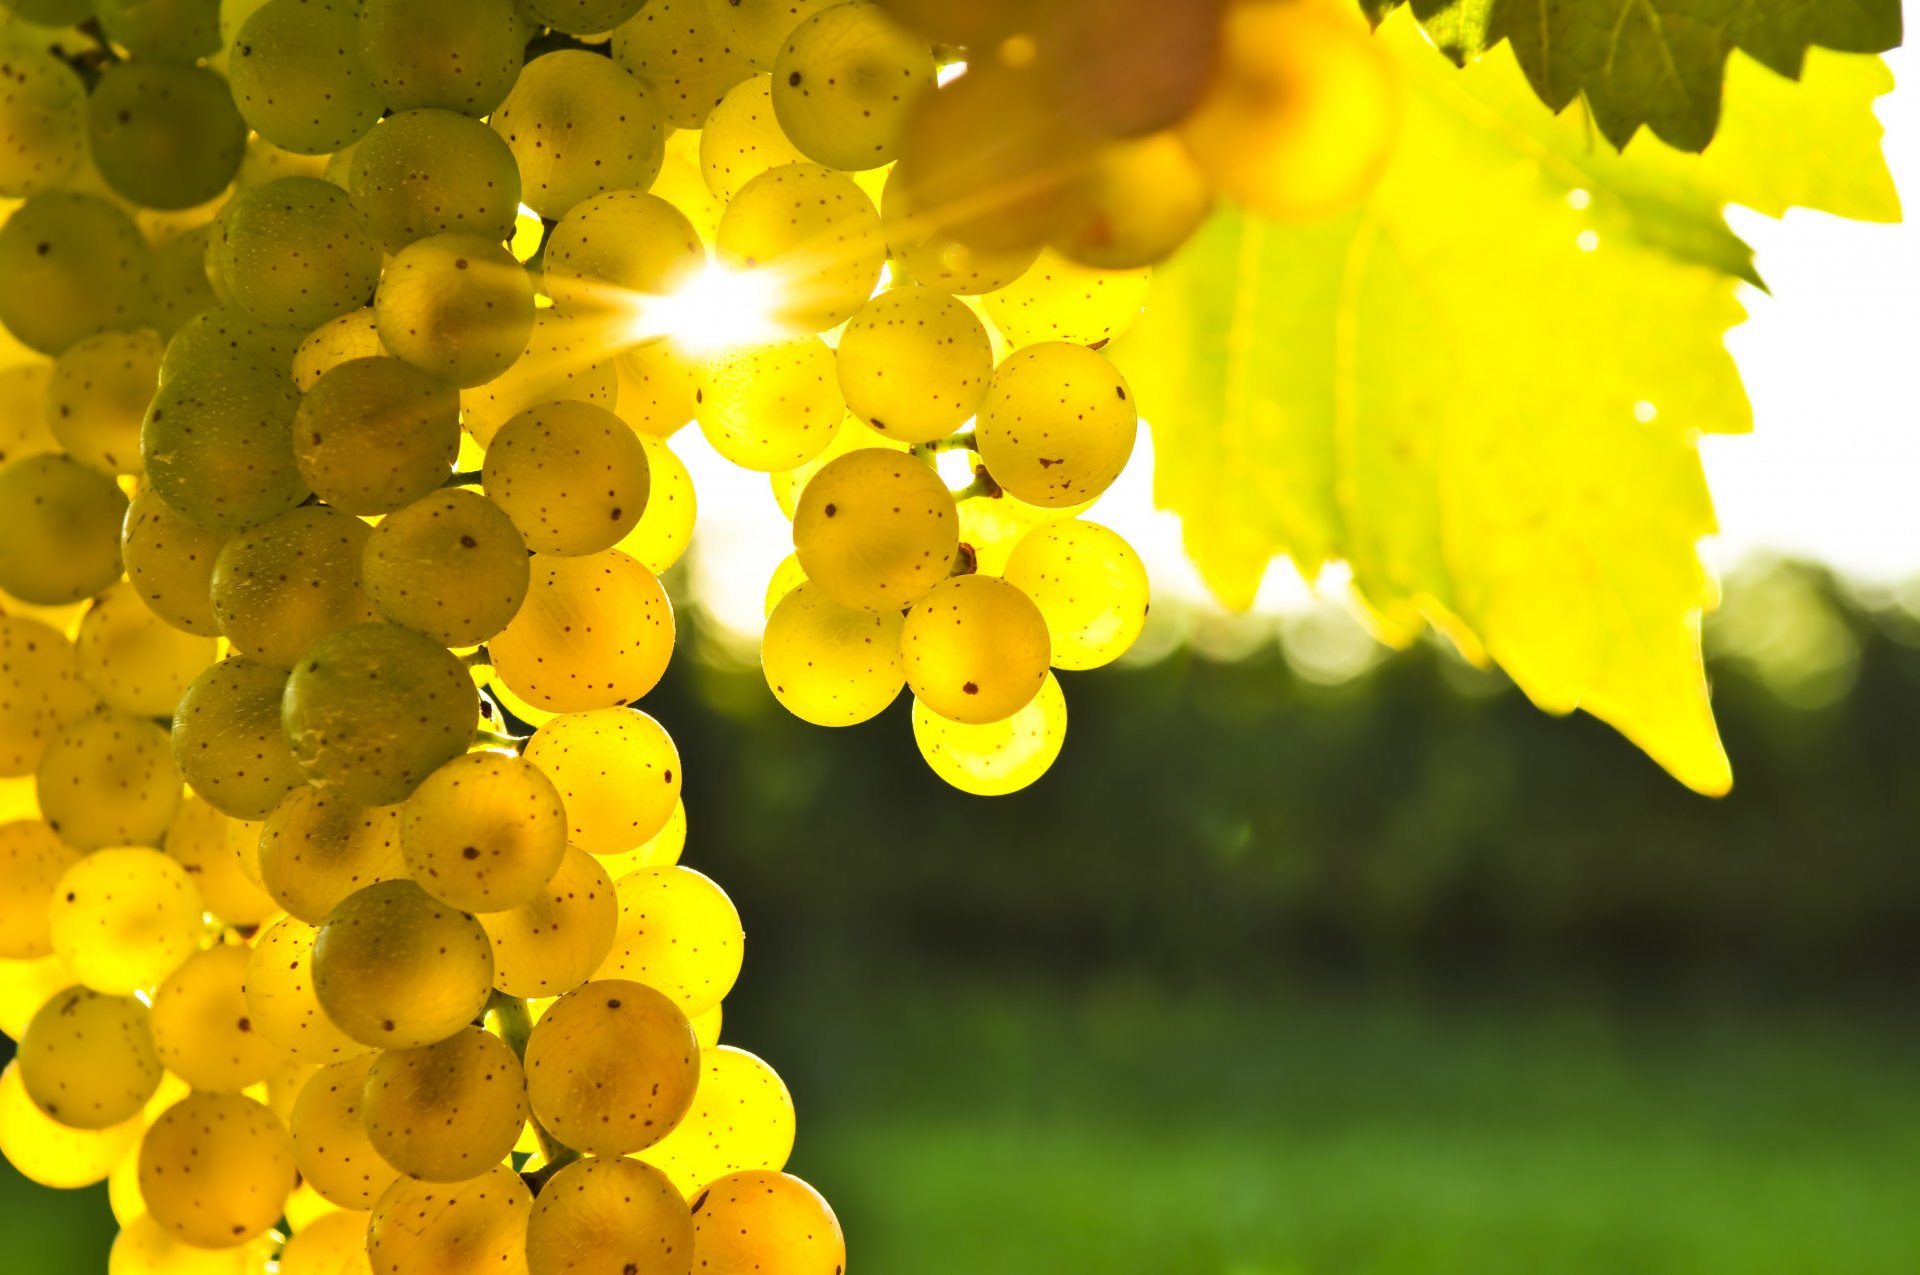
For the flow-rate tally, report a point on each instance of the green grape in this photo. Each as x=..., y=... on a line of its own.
x=432, y=172
x=24, y=430
x=32, y=861
x=169, y=563
x=611, y=1067
x=98, y=395
x=203, y=841
x=446, y=1112
x=375, y=434
x=610, y=251
x=756, y=29
x=450, y=565
x=610, y=1214
x=282, y=586
x=742, y=1118
x=427, y=1228
x=330, y=1142
x=679, y=57
x=742, y=139
x=396, y=968
x=164, y=135
x=332, y=1244
x=594, y=632
x=227, y=333
x=876, y=529
x=63, y=529
x=828, y=664
x=658, y=381
x=281, y=1000
x=854, y=435
x=770, y=407
x=665, y=528
x=679, y=934
x=458, y=306
x=1137, y=202
x=581, y=17
x=844, y=83
x=786, y=577
x=51, y=13
x=109, y=779
x=817, y=236
x=914, y=364
x=132, y=659
x=1059, y=300
x=1089, y=585
x=317, y=849
x=298, y=77
x=144, y=1247
x=762, y=1221
x=1000, y=757
x=227, y=740
x=50, y=1153
x=456, y=55
x=579, y=125
x=218, y=444
x=485, y=832
x=202, y=1030
x=342, y=339
x=43, y=122
x=297, y=252
x=174, y=30
x=975, y=649
x=1058, y=424
x=565, y=358
x=552, y=943
x=571, y=476
x=216, y=1169
x=122, y=919
x=88, y=1060
x=181, y=288
x=616, y=770
x=41, y=691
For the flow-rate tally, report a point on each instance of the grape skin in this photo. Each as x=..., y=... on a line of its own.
x=216, y=1169
x=610, y=1213
x=448, y=1111
x=611, y=1067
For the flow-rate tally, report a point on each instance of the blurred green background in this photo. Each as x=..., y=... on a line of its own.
x=1303, y=962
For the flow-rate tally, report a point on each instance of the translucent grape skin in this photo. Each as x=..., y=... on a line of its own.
x=665, y=529
x=375, y=434
x=169, y=563
x=456, y=55
x=427, y=1228
x=202, y=1029
x=485, y=832
x=87, y=1059
x=123, y=918
x=41, y=687
x=450, y=565
x=614, y=248
x=680, y=58
x=914, y=364
x=168, y=30
x=679, y=933
x=1090, y=586
x=218, y=444
x=771, y=406
x=581, y=17
x=330, y=1140
x=457, y=306
x=1000, y=757
x=32, y=861
x=742, y=139
x=844, y=82
x=317, y=849
x=828, y=664
x=1058, y=424
x=1061, y=300
x=617, y=771
x=164, y=135
x=876, y=529
x=566, y=358
x=756, y=29
x=75, y=265
x=46, y=1151
x=297, y=252
x=132, y=659
x=98, y=394
x=63, y=529
x=816, y=235
x=299, y=79
x=448, y=1111
x=280, y=587
x=595, y=632
x=210, y=846
x=579, y=125
x=227, y=740
x=976, y=649
x=742, y=1118
x=611, y=1067
x=552, y=943
x=761, y=1220
x=216, y=1169
x=332, y=1244
x=427, y=172
x=281, y=1000
x=109, y=779
x=571, y=475
x=396, y=968
x=610, y=1213
x=42, y=123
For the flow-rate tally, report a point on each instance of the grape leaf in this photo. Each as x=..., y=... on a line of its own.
x=1482, y=390
x=1656, y=63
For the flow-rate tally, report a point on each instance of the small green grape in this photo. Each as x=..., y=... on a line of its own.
x=876, y=529
x=202, y=1029
x=163, y=134
x=815, y=233
x=297, y=252
x=680, y=58
x=123, y=918
x=431, y=1228
x=1058, y=424
x=298, y=76
x=828, y=664
x=579, y=125
x=282, y=586
x=571, y=475
x=566, y=358
x=317, y=849
x=396, y=968
x=132, y=659
x=456, y=55
x=169, y=563
x=594, y=632
x=975, y=649
x=552, y=943
x=172, y=30
x=109, y=779
x=761, y=1220
x=770, y=407
x=449, y=565
x=615, y=248
x=74, y=265
x=431, y=172
x=226, y=333
x=610, y=1213
x=679, y=933
x=446, y=1112
x=218, y=444
x=756, y=29
x=281, y=1001
x=227, y=740
x=844, y=82
x=914, y=364
x=1061, y=300
x=742, y=138
x=742, y=1118
x=485, y=832
x=616, y=770
x=32, y=861
x=996, y=758
x=98, y=395
x=375, y=434
x=63, y=524
x=341, y=339
x=216, y=1169
x=43, y=122
x=330, y=1142
x=41, y=686
x=1089, y=585
x=458, y=306
x=611, y=1067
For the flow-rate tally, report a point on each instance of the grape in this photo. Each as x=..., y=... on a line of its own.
x=999, y=757
x=43, y=121
x=50, y=1153
x=854, y=435
x=225, y=333
x=785, y=579
x=122, y=919
x=40, y=691
x=844, y=82
x=571, y=476
x=611, y=1067
x=682, y=183
x=610, y=1214
x=202, y=1029
x=1137, y=202
x=430, y=172
x=282, y=586
x=317, y=849
x=770, y=407
x=929, y=253
x=706, y=1028
x=578, y=125
x=828, y=664
x=281, y=999
x=1058, y=300
x=298, y=77
x=88, y=1060
x=169, y=564
x=816, y=234
x=175, y=30
x=485, y=832
x=742, y=139
x=330, y=1141
x=742, y=1118
x=342, y=339
x=32, y=861
x=665, y=528
x=218, y=444
x=23, y=430
x=332, y=1244
x=755, y=29
x=680, y=59
x=975, y=649
x=297, y=252
x=425, y=1228
x=109, y=779
x=227, y=740
x=914, y=364
x=762, y=1221
x=457, y=55
x=181, y=288
x=395, y=967
x=564, y=359
x=164, y=135
x=594, y=632
x=1058, y=424
x=372, y=710
x=616, y=770
x=216, y=1169
x=679, y=934
x=448, y=1111
x=63, y=529
x=132, y=659
x=581, y=17
x=98, y=394
x=458, y=306
x=615, y=248
x=1125, y=68
x=144, y=1247
x=51, y=13
x=375, y=434
x=876, y=530
x=450, y=565
x=203, y=841
x=658, y=381
x=552, y=943
x=27, y=985
x=1089, y=585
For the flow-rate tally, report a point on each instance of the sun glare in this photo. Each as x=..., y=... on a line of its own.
x=718, y=308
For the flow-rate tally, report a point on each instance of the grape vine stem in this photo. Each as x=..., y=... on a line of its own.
x=516, y=1025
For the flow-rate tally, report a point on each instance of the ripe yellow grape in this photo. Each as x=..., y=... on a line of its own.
x=1061, y=300
x=578, y=125
x=132, y=659
x=296, y=252
x=317, y=848
x=25, y=986
x=552, y=943
x=679, y=933
x=815, y=234
x=430, y=172
x=595, y=632
x=88, y=1060
x=683, y=184
x=282, y=1087
x=53, y=1154
x=332, y=1244
x=396, y=968
x=162, y=134
x=74, y=265
x=485, y=832
x=216, y=1169
x=331, y=1145
x=657, y=383
x=448, y=1111
x=617, y=771
x=41, y=691
x=571, y=475
x=759, y=1220
x=615, y=248
x=342, y=339
x=123, y=918
x=43, y=120
x=281, y=999
x=1136, y=203
x=144, y=1247
x=23, y=420
x=109, y=779
x=567, y=357
x=756, y=29
x=613, y=1214
x=203, y=841
x=1089, y=585
x=828, y=664
x=1058, y=424
x=852, y=436
x=63, y=529
x=742, y=1118
x=98, y=394
x=458, y=55
x=226, y=332
x=298, y=77
x=998, y=757
x=202, y=1028
x=611, y=1067
x=455, y=305
x=975, y=649
x=218, y=443
x=227, y=739
x=680, y=58
x=662, y=849
x=876, y=529
x=450, y=565
x=375, y=434
x=665, y=528
x=914, y=364
x=844, y=82
x=706, y=1028
x=742, y=138
x=770, y=407
x=32, y=861
x=169, y=562
x=428, y=1228
x=784, y=579
x=282, y=586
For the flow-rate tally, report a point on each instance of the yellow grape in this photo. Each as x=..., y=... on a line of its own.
x=317, y=848
x=565, y=358
x=914, y=364
x=1137, y=202
x=756, y=29
x=844, y=82
x=98, y=394
x=280, y=587
x=216, y=1169
x=23, y=418
x=281, y=999
x=299, y=79
x=450, y=565
x=169, y=562
x=132, y=659
x=427, y=1228
x=784, y=579
x=227, y=738
x=43, y=119
x=852, y=436
x=665, y=528
x=282, y=1086
x=612, y=249
x=682, y=183
x=122, y=919
x=610, y=1213
x=332, y=1244
x=552, y=943
x=32, y=861
x=41, y=691
x=297, y=252
x=616, y=770
x=763, y=1221
x=999, y=757
x=63, y=529
x=25, y=986
x=218, y=442
x=202, y=1028
x=343, y=339
x=579, y=125
x=431, y=172
x=975, y=649
x=1089, y=585
x=660, y=850
x=679, y=933
x=448, y=1111
x=374, y=434
x=742, y=139
x=485, y=832
x=571, y=475
x=50, y=1153
x=109, y=779
x=876, y=529
x=163, y=135
x=396, y=968
x=458, y=306
x=1058, y=424
x=1061, y=300
x=331, y=1145
x=206, y=844
x=680, y=58
x=458, y=55
x=144, y=1247
x=88, y=1060
x=594, y=632
x=815, y=234
x=611, y=1067
x=658, y=381
x=75, y=264
x=770, y=407
x=828, y=664
x=742, y=1118
x=706, y=1028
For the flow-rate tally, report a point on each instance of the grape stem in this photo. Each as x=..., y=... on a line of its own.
x=965, y=440
x=982, y=485
x=516, y=1025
